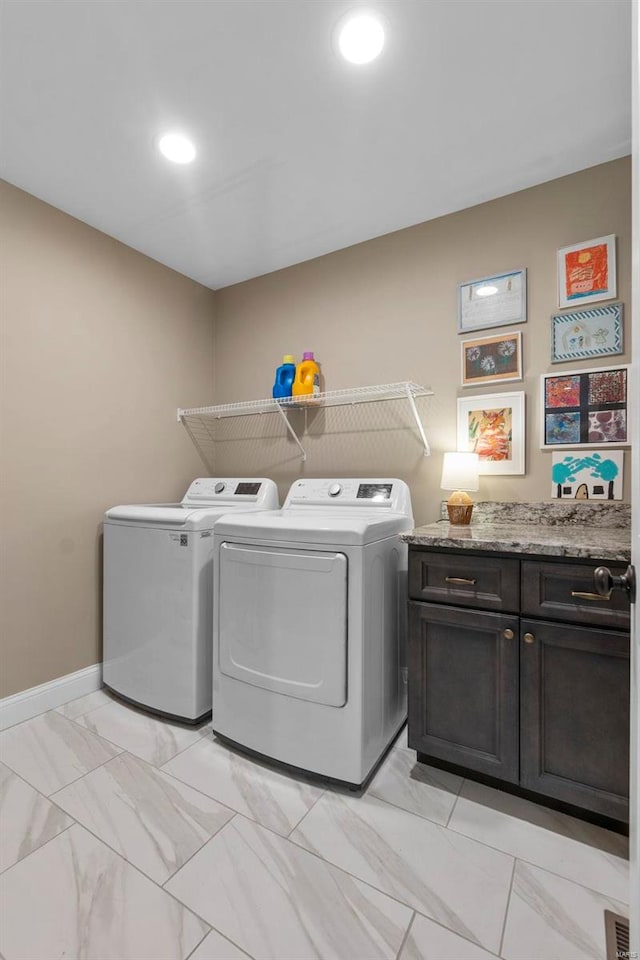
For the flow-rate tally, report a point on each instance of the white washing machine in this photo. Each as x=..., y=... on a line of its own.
x=309, y=626
x=157, y=594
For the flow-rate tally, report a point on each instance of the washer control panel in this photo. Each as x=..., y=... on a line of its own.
x=390, y=494
x=211, y=490
x=374, y=491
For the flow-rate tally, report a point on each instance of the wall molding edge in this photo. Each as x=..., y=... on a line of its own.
x=29, y=703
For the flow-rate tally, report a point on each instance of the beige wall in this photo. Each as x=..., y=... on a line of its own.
x=99, y=346
x=385, y=311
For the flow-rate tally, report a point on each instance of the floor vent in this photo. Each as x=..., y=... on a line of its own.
x=617, y=936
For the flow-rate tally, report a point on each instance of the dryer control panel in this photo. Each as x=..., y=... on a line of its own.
x=385, y=494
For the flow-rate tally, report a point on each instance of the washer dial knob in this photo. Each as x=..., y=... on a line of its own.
x=219, y=487
x=334, y=489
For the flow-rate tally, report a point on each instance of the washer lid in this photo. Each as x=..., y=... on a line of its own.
x=206, y=499
x=325, y=527
x=169, y=515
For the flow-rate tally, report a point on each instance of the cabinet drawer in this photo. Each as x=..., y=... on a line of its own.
x=482, y=582
x=548, y=588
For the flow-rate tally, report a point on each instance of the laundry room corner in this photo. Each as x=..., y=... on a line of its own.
x=100, y=344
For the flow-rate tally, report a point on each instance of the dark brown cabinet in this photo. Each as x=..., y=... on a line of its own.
x=463, y=687
x=574, y=704
x=507, y=680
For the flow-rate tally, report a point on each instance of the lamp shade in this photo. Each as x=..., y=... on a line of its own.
x=460, y=471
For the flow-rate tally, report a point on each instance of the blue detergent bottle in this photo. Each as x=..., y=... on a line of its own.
x=285, y=374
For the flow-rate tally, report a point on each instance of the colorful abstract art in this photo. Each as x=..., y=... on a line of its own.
x=585, y=408
x=562, y=392
x=563, y=428
x=607, y=426
x=596, y=475
x=608, y=387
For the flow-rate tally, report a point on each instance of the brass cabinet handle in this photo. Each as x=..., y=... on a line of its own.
x=529, y=638
x=508, y=634
x=589, y=596
x=459, y=580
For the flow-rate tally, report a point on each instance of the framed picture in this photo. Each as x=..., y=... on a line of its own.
x=594, y=475
x=492, y=425
x=491, y=359
x=492, y=301
x=585, y=408
x=597, y=332
x=587, y=272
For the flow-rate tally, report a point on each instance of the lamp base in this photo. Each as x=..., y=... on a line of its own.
x=460, y=508
x=459, y=513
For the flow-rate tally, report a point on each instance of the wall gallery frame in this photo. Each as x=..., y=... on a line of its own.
x=587, y=272
x=597, y=332
x=594, y=475
x=495, y=359
x=492, y=425
x=585, y=408
x=494, y=301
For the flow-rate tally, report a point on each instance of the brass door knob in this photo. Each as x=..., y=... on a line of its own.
x=529, y=638
x=508, y=634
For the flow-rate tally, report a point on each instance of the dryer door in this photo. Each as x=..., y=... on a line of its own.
x=282, y=620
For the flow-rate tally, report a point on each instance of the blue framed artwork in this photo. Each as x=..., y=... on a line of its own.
x=584, y=334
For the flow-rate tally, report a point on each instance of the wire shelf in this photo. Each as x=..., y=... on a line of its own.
x=405, y=390
x=331, y=398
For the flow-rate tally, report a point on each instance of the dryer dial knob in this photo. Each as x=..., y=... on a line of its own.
x=334, y=489
x=219, y=487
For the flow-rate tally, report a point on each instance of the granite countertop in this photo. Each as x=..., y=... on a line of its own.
x=590, y=531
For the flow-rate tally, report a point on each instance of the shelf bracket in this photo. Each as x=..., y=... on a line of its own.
x=416, y=417
x=292, y=432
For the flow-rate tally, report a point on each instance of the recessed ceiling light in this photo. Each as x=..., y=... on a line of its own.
x=360, y=38
x=177, y=148
x=487, y=291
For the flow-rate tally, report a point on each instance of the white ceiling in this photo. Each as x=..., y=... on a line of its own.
x=300, y=153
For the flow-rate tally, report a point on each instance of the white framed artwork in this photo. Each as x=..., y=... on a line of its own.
x=492, y=425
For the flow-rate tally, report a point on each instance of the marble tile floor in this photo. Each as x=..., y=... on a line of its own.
x=125, y=837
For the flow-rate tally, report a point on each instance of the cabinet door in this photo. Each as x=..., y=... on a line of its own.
x=575, y=715
x=463, y=687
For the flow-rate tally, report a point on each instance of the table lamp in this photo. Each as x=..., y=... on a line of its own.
x=460, y=473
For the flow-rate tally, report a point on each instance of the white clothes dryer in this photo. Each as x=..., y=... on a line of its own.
x=309, y=626
x=158, y=561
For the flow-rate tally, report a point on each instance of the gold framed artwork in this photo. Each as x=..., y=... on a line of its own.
x=495, y=359
x=492, y=425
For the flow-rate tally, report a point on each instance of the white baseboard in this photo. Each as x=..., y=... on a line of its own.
x=29, y=703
